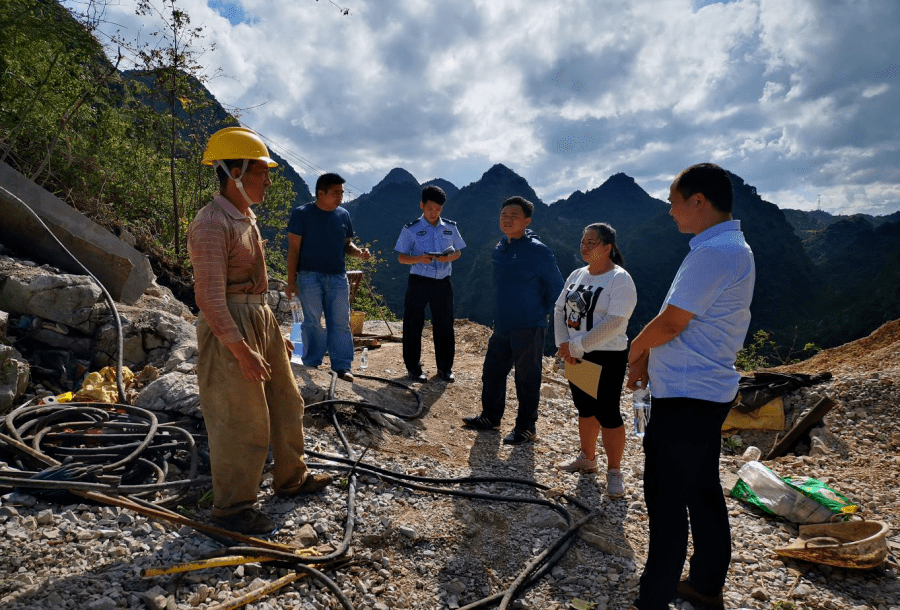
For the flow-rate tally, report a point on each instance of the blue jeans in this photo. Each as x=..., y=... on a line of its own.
x=328, y=294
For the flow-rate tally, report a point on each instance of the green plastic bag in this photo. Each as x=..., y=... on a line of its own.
x=809, y=487
x=821, y=493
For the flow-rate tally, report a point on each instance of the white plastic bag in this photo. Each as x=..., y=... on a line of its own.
x=780, y=498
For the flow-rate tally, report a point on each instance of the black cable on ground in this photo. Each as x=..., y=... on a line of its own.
x=528, y=576
x=146, y=454
x=441, y=480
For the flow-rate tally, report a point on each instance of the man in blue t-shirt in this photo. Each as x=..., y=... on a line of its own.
x=319, y=236
x=687, y=353
x=429, y=244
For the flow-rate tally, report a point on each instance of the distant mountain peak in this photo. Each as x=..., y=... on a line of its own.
x=500, y=174
x=398, y=175
x=621, y=177
x=499, y=171
x=449, y=188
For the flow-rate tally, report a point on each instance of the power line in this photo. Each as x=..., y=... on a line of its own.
x=305, y=163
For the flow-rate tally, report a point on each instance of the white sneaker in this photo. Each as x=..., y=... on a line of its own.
x=579, y=463
x=615, y=483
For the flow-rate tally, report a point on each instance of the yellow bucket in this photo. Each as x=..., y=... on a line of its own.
x=356, y=322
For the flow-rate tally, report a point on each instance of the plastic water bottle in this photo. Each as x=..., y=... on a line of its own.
x=641, y=399
x=364, y=359
x=296, y=331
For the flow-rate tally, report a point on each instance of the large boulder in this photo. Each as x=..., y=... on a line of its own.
x=149, y=337
x=67, y=299
x=123, y=271
x=174, y=392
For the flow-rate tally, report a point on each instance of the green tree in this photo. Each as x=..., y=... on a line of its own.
x=763, y=351
x=172, y=73
x=368, y=299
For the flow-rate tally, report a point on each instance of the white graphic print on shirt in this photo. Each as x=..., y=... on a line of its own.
x=580, y=303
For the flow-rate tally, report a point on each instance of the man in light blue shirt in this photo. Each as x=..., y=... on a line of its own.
x=430, y=244
x=687, y=353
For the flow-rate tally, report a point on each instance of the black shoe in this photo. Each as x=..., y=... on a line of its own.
x=345, y=375
x=417, y=377
x=517, y=437
x=249, y=522
x=688, y=593
x=447, y=376
x=480, y=422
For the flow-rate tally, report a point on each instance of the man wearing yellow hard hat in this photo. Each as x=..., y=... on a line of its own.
x=248, y=394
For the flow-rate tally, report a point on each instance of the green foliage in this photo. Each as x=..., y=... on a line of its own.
x=367, y=299
x=169, y=67
x=123, y=148
x=763, y=351
x=752, y=356
x=272, y=217
x=206, y=499
x=733, y=443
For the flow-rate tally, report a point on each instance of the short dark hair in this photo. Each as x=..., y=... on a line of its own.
x=527, y=206
x=711, y=181
x=326, y=181
x=434, y=193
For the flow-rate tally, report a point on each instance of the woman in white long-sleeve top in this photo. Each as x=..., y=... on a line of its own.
x=590, y=319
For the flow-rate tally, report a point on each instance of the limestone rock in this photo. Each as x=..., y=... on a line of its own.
x=173, y=392
x=68, y=299
x=14, y=375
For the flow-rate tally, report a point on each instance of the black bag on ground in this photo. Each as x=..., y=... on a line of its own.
x=760, y=388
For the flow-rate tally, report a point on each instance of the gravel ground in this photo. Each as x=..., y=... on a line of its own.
x=416, y=549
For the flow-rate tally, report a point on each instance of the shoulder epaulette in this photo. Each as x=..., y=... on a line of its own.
x=409, y=224
x=448, y=221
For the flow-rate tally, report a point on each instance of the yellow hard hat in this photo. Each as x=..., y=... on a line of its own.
x=236, y=143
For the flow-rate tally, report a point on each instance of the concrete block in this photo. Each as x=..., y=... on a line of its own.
x=123, y=271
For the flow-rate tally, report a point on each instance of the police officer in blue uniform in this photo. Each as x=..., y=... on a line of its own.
x=430, y=244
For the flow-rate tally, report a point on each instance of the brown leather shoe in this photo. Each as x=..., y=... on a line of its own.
x=311, y=484
x=688, y=593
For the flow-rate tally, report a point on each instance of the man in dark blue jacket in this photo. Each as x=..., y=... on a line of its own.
x=527, y=282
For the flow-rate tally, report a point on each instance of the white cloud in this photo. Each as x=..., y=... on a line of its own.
x=796, y=97
x=876, y=90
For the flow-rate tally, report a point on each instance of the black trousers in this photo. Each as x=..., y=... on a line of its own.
x=681, y=477
x=438, y=294
x=523, y=348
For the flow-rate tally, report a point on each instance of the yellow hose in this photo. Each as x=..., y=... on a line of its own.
x=256, y=594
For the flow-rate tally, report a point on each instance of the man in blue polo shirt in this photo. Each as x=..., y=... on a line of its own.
x=430, y=244
x=319, y=236
x=688, y=353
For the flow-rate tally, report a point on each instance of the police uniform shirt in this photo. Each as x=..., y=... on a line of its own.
x=420, y=237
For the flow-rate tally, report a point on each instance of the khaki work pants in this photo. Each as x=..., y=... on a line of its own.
x=244, y=418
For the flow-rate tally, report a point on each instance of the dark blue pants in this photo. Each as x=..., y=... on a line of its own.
x=523, y=349
x=438, y=294
x=681, y=477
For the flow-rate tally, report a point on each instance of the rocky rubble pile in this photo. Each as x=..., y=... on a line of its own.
x=418, y=550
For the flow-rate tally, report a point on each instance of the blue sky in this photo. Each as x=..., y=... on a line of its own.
x=798, y=97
